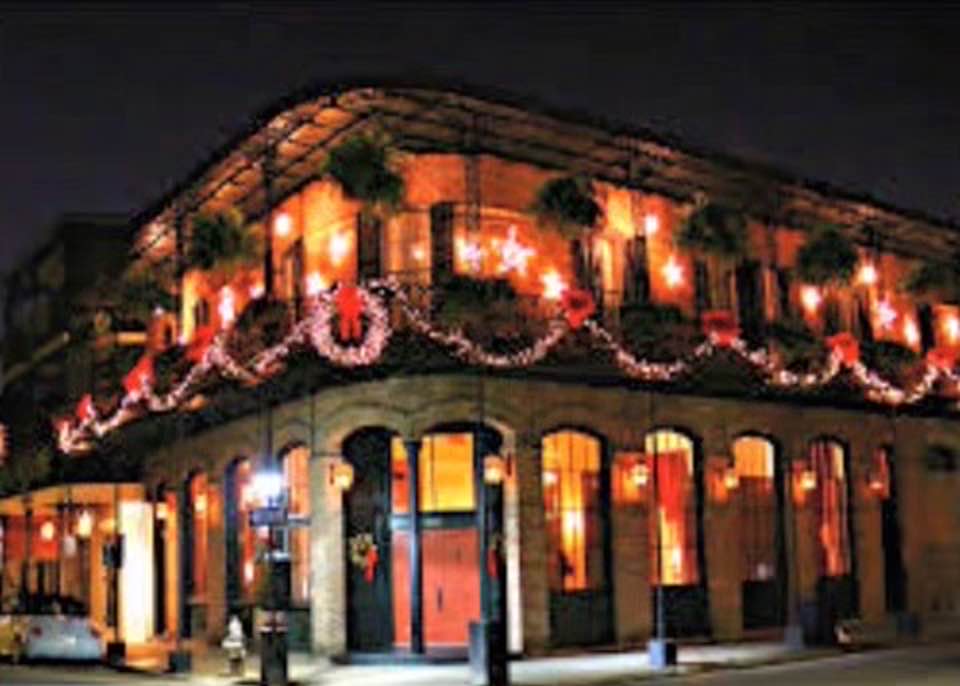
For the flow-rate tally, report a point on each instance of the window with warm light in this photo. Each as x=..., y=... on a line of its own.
x=831, y=508
x=573, y=511
x=753, y=458
x=199, y=512
x=674, y=528
x=446, y=474
x=296, y=474
x=246, y=536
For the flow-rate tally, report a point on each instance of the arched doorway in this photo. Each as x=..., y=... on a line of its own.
x=576, y=501
x=240, y=542
x=760, y=522
x=388, y=598
x=676, y=533
x=837, y=595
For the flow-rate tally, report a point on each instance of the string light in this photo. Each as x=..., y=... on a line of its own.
x=338, y=247
x=867, y=275
x=226, y=308
x=810, y=298
x=651, y=224
x=673, y=273
x=282, y=225
x=553, y=285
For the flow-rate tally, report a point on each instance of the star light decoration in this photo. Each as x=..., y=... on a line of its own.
x=514, y=256
x=77, y=434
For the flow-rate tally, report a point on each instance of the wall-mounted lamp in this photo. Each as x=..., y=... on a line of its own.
x=731, y=479
x=494, y=470
x=808, y=480
x=85, y=524
x=47, y=531
x=639, y=474
x=341, y=475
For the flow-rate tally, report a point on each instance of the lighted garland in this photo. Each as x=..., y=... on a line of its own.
x=316, y=329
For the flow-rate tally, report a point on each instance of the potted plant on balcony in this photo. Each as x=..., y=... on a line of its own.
x=658, y=332
x=361, y=165
x=568, y=206
x=221, y=243
x=718, y=235
x=488, y=311
x=828, y=259
x=937, y=279
x=143, y=294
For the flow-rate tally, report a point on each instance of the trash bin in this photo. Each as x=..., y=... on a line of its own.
x=488, y=654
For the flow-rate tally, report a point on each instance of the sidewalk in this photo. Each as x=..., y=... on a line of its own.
x=210, y=667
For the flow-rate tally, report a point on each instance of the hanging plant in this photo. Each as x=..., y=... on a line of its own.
x=713, y=230
x=798, y=348
x=891, y=360
x=567, y=204
x=486, y=310
x=141, y=295
x=936, y=278
x=361, y=165
x=828, y=259
x=221, y=242
x=659, y=332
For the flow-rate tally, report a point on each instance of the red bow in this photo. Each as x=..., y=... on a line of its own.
x=370, y=566
x=349, y=307
x=140, y=378
x=720, y=326
x=85, y=411
x=578, y=306
x=846, y=347
x=943, y=358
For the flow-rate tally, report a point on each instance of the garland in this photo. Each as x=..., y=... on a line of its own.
x=364, y=333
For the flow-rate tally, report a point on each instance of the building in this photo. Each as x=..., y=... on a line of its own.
x=677, y=409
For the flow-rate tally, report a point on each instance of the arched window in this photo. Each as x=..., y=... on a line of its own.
x=831, y=508
x=199, y=502
x=674, y=548
x=243, y=496
x=571, y=495
x=753, y=458
x=296, y=474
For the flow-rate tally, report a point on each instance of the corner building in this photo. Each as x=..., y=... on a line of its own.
x=753, y=503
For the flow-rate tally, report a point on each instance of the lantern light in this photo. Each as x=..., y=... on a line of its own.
x=282, y=224
x=867, y=275
x=639, y=475
x=731, y=479
x=673, y=273
x=810, y=298
x=162, y=512
x=494, y=470
x=808, y=480
x=651, y=224
x=341, y=475
x=339, y=246
x=951, y=326
x=47, y=531
x=553, y=285
x=911, y=333
x=85, y=524
x=418, y=253
x=268, y=486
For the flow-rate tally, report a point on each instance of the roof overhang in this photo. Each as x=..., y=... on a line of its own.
x=80, y=495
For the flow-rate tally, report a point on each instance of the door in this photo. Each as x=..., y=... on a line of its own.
x=451, y=586
x=894, y=572
x=367, y=517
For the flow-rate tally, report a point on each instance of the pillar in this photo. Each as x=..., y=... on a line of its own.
x=631, y=570
x=216, y=562
x=868, y=537
x=534, y=582
x=722, y=546
x=416, y=554
x=328, y=611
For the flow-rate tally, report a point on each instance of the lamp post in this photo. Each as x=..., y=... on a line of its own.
x=661, y=652
x=269, y=486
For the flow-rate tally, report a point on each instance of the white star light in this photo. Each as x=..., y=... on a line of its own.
x=471, y=254
x=886, y=315
x=553, y=285
x=514, y=255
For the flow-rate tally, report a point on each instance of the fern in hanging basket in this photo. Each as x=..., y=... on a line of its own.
x=361, y=166
x=487, y=311
x=567, y=204
x=141, y=294
x=714, y=230
x=222, y=243
x=936, y=278
x=659, y=332
x=828, y=259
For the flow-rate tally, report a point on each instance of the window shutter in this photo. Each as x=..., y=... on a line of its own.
x=369, y=230
x=441, y=242
x=701, y=280
x=636, y=286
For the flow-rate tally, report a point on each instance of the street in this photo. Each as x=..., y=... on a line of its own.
x=929, y=665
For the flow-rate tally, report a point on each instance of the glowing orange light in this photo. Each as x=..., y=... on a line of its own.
x=282, y=224
x=226, y=308
x=162, y=511
x=48, y=531
x=910, y=332
x=471, y=254
x=494, y=470
x=810, y=298
x=256, y=291
x=315, y=283
x=640, y=475
x=886, y=315
x=867, y=275
x=341, y=475
x=418, y=253
x=200, y=504
x=553, y=285
x=808, y=480
x=550, y=478
x=338, y=247
x=248, y=572
x=951, y=326
x=513, y=254
x=673, y=273
x=731, y=480
x=651, y=224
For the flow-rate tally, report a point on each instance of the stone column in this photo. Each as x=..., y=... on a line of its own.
x=534, y=583
x=631, y=569
x=722, y=546
x=868, y=537
x=216, y=562
x=328, y=609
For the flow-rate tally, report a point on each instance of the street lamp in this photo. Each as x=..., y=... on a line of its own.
x=269, y=487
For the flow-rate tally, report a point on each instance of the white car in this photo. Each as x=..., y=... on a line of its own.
x=58, y=629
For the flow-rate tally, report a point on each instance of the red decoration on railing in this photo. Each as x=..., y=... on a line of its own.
x=720, y=326
x=349, y=306
x=85, y=411
x=578, y=306
x=370, y=564
x=942, y=358
x=139, y=379
x=846, y=348
x=202, y=338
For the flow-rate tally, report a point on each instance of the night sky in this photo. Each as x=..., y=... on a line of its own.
x=103, y=110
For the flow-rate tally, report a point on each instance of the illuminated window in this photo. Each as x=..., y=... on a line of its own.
x=199, y=505
x=446, y=474
x=400, y=477
x=831, y=508
x=754, y=462
x=571, y=496
x=674, y=527
x=296, y=476
x=246, y=536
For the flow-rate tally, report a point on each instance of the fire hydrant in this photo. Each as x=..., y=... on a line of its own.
x=234, y=644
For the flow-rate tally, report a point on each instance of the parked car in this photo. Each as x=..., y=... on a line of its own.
x=49, y=628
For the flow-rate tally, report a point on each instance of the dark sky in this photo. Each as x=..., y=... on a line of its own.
x=103, y=109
